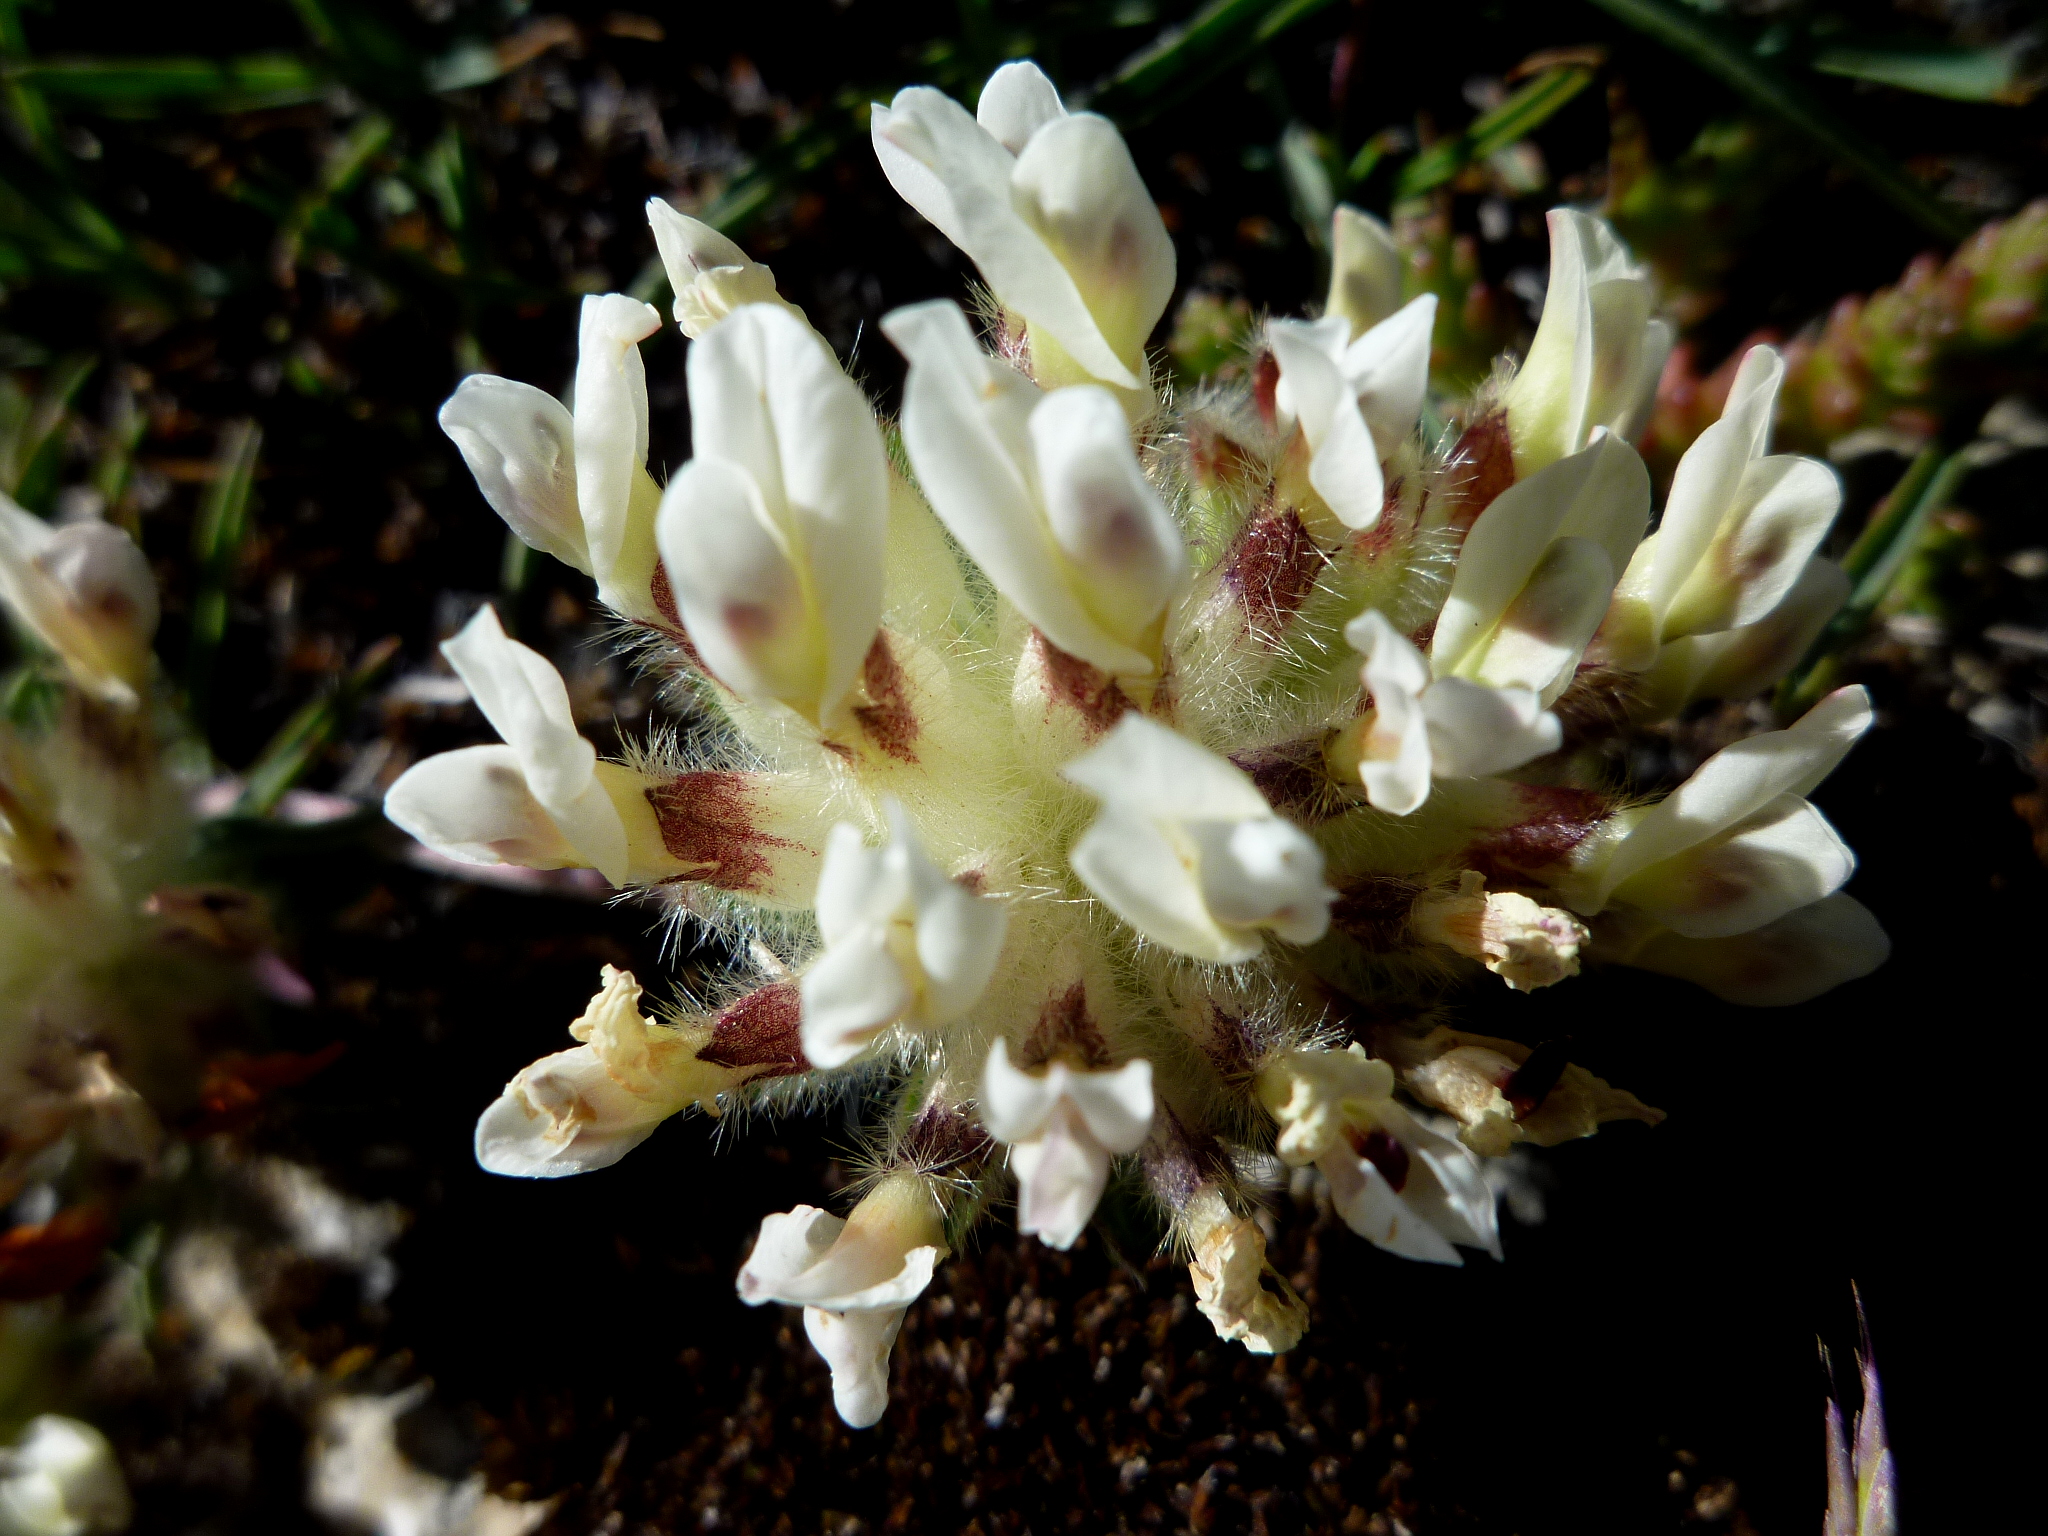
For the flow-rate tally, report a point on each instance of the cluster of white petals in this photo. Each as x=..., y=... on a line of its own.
x=1139, y=825
x=59, y=1478
x=1063, y=1127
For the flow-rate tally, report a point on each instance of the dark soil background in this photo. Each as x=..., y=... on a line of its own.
x=1650, y=1344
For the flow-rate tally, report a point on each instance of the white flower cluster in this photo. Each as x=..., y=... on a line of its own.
x=1028, y=765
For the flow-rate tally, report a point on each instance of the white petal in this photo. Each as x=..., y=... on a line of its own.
x=1152, y=768
x=738, y=592
x=959, y=940
x=610, y=422
x=1475, y=730
x=1117, y=1105
x=1015, y=1104
x=852, y=1276
x=1710, y=474
x=1078, y=188
x=1263, y=873
x=1368, y=1205
x=1365, y=270
x=1016, y=102
x=473, y=804
x=1740, y=662
x=790, y=1243
x=1395, y=764
x=527, y=703
x=1740, y=780
x=902, y=143
x=1317, y=389
x=1388, y=371
x=86, y=591
x=1782, y=512
x=689, y=247
x=858, y=886
x=1147, y=876
x=1447, y=1184
x=855, y=1346
x=806, y=461
x=520, y=444
x=1798, y=957
x=1124, y=550
x=1783, y=857
x=852, y=992
x=1601, y=494
x=564, y=1115
x=1061, y=1174
x=1544, y=632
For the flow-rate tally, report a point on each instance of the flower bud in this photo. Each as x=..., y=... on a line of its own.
x=854, y=1278
x=773, y=534
x=1355, y=401
x=1049, y=206
x=711, y=276
x=1597, y=355
x=1526, y=945
x=902, y=942
x=1310, y=1094
x=1063, y=1126
x=1231, y=1274
x=1474, y=1079
x=1043, y=490
x=1365, y=270
x=60, y=1478
x=1188, y=852
x=85, y=591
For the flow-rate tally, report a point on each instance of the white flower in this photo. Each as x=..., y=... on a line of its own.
x=1062, y=1127
x=541, y=800
x=1043, y=489
x=1738, y=529
x=1365, y=270
x=773, y=534
x=1356, y=401
x=585, y=1108
x=1395, y=1181
x=901, y=942
x=59, y=1478
x=574, y=486
x=1524, y=943
x=1421, y=727
x=361, y=1479
x=1049, y=206
x=1538, y=568
x=1598, y=353
x=1808, y=951
x=1188, y=852
x=1741, y=662
x=854, y=1278
x=1230, y=1273
x=1736, y=846
x=85, y=591
x=711, y=276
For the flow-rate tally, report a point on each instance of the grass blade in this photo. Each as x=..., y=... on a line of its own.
x=301, y=739
x=1725, y=57
x=217, y=540
x=144, y=87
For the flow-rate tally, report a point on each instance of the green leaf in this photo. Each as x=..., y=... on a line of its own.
x=1726, y=57
x=1509, y=123
x=1999, y=73
x=1182, y=59
x=144, y=87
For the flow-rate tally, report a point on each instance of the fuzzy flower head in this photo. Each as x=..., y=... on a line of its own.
x=1025, y=777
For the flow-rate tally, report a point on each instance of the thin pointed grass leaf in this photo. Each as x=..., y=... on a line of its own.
x=2002, y=72
x=1509, y=123
x=37, y=458
x=1873, y=564
x=217, y=540
x=1184, y=58
x=301, y=739
x=144, y=87
x=1726, y=57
